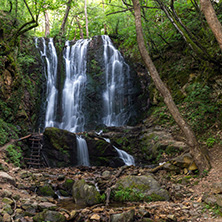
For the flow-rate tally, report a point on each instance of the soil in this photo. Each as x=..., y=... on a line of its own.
x=186, y=190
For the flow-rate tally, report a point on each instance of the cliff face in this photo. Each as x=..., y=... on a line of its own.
x=20, y=80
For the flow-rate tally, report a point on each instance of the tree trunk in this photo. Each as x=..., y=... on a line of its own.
x=200, y=156
x=47, y=26
x=87, y=22
x=62, y=29
x=212, y=20
x=80, y=28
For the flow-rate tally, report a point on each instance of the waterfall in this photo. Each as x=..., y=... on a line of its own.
x=127, y=158
x=49, y=53
x=115, y=95
x=123, y=155
x=117, y=85
x=73, y=118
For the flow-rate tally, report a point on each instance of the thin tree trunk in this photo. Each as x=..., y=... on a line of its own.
x=201, y=158
x=212, y=20
x=80, y=28
x=86, y=17
x=47, y=26
x=62, y=29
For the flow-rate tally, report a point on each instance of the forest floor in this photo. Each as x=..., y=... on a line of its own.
x=193, y=198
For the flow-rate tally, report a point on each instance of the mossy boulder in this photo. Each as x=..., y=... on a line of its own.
x=139, y=188
x=49, y=215
x=60, y=147
x=46, y=190
x=85, y=194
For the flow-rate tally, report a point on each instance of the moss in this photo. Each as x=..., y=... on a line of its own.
x=46, y=190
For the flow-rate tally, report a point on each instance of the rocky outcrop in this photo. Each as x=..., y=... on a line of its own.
x=85, y=194
x=60, y=147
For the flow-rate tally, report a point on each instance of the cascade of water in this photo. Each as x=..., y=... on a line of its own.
x=82, y=151
x=74, y=86
x=127, y=158
x=49, y=53
x=117, y=79
x=123, y=155
x=73, y=118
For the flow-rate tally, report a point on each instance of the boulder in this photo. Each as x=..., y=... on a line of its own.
x=59, y=147
x=127, y=216
x=46, y=190
x=48, y=215
x=6, y=178
x=139, y=188
x=85, y=194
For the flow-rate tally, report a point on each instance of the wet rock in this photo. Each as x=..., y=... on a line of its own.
x=46, y=190
x=84, y=193
x=48, y=215
x=60, y=147
x=138, y=188
x=6, y=178
x=127, y=216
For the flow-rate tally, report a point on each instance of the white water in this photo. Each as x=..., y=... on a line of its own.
x=127, y=158
x=82, y=151
x=49, y=53
x=123, y=155
x=73, y=118
x=117, y=77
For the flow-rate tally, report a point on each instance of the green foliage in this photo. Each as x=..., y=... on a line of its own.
x=132, y=194
x=198, y=107
x=7, y=132
x=14, y=153
x=210, y=142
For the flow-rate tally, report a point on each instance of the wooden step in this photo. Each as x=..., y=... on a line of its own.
x=32, y=163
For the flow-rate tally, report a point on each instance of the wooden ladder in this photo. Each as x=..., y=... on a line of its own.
x=36, y=160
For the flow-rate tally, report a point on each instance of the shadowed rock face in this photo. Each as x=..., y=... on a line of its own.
x=60, y=149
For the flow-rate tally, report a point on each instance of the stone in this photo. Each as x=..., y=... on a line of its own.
x=6, y=178
x=48, y=215
x=84, y=193
x=106, y=174
x=46, y=190
x=24, y=174
x=127, y=216
x=211, y=200
x=6, y=193
x=47, y=205
x=61, y=177
x=219, y=200
x=216, y=188
x=8, y=209
x=140, y=188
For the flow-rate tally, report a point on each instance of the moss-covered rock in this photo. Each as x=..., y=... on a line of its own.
x=85, y=194
x=48, y=215
x=60, y=147
x=46, y=190
x=139, y=188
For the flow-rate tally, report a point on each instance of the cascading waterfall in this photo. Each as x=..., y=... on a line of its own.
x=73, y=118
x=117, y=79
x=49, y=53
x=115, y=96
